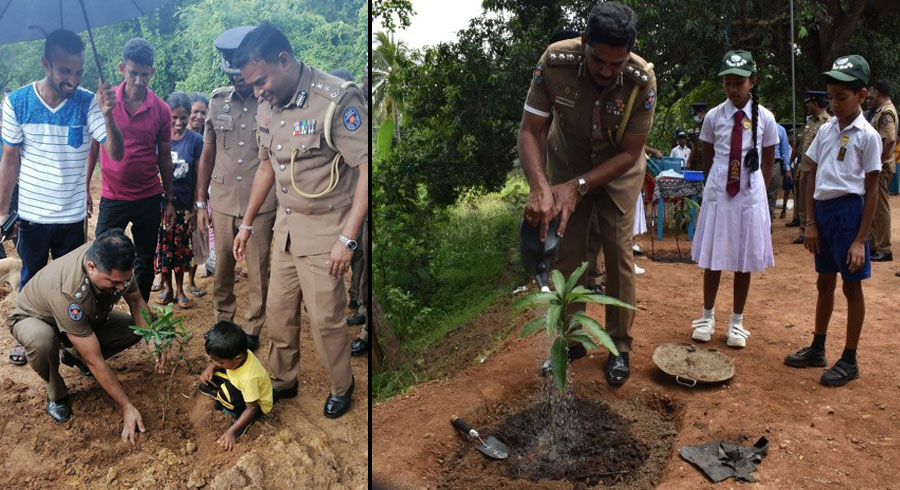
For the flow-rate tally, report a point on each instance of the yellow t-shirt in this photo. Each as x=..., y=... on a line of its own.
x=253, y=381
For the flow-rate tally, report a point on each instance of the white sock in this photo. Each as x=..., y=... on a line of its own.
x=737, y=318
x=707, y=314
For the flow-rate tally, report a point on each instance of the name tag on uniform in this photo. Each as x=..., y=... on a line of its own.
x=845, y=139
x=304, y=127
x=223, y=117
x=565, y=102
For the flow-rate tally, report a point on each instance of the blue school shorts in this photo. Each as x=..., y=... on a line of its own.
x=838, y=221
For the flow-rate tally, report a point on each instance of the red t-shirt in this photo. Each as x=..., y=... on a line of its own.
x=137, y=175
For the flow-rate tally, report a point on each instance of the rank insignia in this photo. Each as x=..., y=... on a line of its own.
x=351, y=119
x=650, y=100
x=301, y=99
x=304, y=127
x=75, y=312
x=539, y=73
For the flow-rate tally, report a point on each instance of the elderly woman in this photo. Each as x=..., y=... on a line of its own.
x=197, y=119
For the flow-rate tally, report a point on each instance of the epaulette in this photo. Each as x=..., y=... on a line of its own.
x=327, y=86
x=219, y=91
x=564, y=57
x=639, y=70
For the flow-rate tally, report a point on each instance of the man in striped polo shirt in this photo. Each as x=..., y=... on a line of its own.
x=48, y=126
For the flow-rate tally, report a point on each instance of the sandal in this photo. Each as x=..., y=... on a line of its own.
x=184, y=302
x=164, y=299
x=840, y=374
x=197, y=291
x=17, y=355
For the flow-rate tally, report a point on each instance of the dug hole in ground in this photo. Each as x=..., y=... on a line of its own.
x=820, y=437
x=294, y=446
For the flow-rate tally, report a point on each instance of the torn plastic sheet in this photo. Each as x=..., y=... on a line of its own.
x=720, y=460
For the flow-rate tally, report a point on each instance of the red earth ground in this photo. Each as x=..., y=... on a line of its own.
x=294, y=446
x=820, y=437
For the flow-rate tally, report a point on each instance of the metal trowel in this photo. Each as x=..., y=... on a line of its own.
x=491, y=447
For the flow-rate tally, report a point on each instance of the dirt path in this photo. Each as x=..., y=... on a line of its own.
x=821, y=438
x=295, y=446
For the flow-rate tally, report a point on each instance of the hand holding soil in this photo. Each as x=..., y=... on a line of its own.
x=132, y=419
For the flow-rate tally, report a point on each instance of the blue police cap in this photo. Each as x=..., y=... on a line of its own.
x=227, y=43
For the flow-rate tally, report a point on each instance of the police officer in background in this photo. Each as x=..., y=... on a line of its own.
x=602, y=99
x=227, y=166
x=885, y=122
x=313, y=131
x=815, y=105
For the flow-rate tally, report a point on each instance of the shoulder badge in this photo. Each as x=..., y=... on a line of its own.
x=220, y=91
x=650, y=100
x=351, y=119
x=538, y=73
x=75, y=312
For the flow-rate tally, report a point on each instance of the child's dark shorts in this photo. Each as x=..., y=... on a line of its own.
x=838, y=221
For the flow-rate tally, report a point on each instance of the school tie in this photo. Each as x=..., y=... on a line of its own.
x=734, y=157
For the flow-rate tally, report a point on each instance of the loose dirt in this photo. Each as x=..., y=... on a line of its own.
x=821, y=438
x=294, y=446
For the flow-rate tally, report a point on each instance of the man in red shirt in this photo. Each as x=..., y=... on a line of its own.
x=131, y=191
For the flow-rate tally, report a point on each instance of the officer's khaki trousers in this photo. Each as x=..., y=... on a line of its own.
x=616, y=230
x=42, y=345
x=359, y=265
x=225, y=227
x=596, y=271
x=801, y=188
x=881, y=225
x=306, y=278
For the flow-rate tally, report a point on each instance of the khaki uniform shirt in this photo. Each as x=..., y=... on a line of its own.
x=885, y=122
x=296, y=131
x=586, y=117
x=61, y=294
x=807, y=135
x=231, y=126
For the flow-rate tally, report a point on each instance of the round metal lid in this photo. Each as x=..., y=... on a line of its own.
x=690, y=364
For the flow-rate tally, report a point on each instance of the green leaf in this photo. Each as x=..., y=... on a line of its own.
x=596, y=331
x=385, y=138
x=601, y=299
x=573, y=279
x=553, y=314
x=146, y=315
x=801, y=33
x=583, y=338
x=532, y=299
x=559, y=282
x=532, y=327
x=558, y=362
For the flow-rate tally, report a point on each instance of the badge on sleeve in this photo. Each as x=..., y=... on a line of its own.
x=75, y=312
x=539, y=73
x=351, y=119
x=650, y=100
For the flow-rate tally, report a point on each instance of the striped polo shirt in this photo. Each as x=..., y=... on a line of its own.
x=54, y=144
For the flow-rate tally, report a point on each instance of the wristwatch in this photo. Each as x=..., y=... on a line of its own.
x=200, y=204
x=582, y=186
x=350, y=244
x=246, y=227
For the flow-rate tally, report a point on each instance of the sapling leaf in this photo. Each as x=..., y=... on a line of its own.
x=559, y=282
x=601, y=299
x=558, y=361
x=596, y=331
x=532, y=327
x=538, y=298
x=576, y=275
x=553, y=314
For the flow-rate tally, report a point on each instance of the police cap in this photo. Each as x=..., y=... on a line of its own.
x=227, y=43
x=815, y=95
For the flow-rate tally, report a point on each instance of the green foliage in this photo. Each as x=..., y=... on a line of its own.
x=164, y=329
x=564, y=328
x=386, y=10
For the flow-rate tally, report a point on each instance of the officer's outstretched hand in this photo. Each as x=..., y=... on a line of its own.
x=566, y=197
x=132, y=419
x=339, y=260
x=539, y=210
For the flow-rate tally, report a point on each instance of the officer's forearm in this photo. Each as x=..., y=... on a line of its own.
x=360, y=204
x=262, y=183
x=609, y=170
x=9, y=175
x=204, y=171
x=532, y=160
x=108, y=381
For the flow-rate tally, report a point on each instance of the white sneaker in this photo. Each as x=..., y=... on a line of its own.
x=637, y=249
x=737, y=336
x=638, y=270
x=703, y=329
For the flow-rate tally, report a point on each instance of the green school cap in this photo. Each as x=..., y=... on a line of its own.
x=738, y=63
x=849, y=68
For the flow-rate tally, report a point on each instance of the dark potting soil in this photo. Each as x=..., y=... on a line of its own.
x=622, y=446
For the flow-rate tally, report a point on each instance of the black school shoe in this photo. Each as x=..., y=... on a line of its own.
x=335, y=406
x=799, y=240
x=359, y=347
x=356, y=320
x=574, y=353
x=840, y=374
x=59, y=411
x=881, y=257
x=793, y=224
x=617, y=370
x=806, y=357
x=285, y=393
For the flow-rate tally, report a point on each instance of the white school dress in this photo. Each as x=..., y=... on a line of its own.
x=733, y=233
x=640, y=219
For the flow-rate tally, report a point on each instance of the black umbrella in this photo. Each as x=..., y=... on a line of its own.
x=25, y=20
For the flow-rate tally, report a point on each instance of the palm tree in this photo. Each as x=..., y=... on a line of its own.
x=388, y=55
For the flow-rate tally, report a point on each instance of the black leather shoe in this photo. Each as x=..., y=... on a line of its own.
x=252, y=342
x=356, y=320
x=335, y=406
x=799, y=240
x=574, y=353
x=617, y=370
x=840, y=374
x=793, y=224
x=354, y=305
x=72, y=361
x=881, y=257
x=60, y=410
x=285, y=393
x=359, y=347
x=806, y=357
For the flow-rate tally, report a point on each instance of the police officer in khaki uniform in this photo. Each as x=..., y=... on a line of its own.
x=815, y=104
x=69, y=303
x=885, y=122
x=227, y=167
x=602, y=99
x=312, y=134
